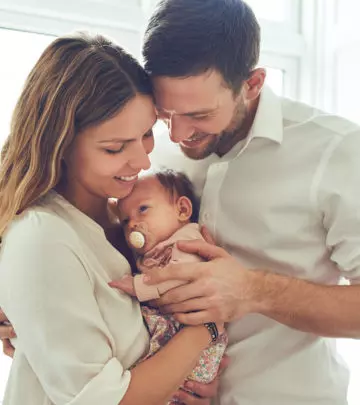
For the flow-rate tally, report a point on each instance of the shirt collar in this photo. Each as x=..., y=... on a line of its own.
x=268, y=121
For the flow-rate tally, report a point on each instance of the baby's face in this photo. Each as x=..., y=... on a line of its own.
x=149, y=210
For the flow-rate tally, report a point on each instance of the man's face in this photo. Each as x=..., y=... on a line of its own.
x=203, y=115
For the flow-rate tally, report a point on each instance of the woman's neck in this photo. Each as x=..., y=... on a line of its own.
x=91, y=205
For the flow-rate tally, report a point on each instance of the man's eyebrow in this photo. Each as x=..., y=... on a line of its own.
x=199, y=112
x=190, y=113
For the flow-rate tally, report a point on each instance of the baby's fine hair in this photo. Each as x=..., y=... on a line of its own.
x=177, y=184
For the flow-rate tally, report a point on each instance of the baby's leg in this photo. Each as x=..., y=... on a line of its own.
x=207, y=367
x=161, y=329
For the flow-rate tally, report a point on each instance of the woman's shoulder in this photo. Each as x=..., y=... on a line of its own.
x=40, y=224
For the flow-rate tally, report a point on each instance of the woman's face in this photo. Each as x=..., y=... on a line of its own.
x=105, y=160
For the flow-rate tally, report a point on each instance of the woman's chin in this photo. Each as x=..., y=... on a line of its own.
x=123, y=190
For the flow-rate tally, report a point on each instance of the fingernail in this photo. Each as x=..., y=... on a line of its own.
x=189, y=385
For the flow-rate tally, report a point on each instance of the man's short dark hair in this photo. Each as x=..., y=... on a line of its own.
x=177, y=184
x=189, y=37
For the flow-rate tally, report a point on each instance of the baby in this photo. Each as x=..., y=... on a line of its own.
x=163, y=209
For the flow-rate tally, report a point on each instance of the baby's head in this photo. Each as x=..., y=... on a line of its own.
x=158, y=206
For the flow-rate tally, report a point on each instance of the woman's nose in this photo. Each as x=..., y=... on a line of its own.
x=140, y=160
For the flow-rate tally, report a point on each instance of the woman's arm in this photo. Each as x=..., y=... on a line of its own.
x=155, y=380
x=49, y=297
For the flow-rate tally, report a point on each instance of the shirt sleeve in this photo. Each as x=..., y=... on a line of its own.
x=339, y=199
x=47, y=293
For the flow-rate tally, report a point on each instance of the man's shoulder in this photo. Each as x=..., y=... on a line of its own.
x=301, y=116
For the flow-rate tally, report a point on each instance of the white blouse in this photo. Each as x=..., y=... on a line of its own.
x=76, y=336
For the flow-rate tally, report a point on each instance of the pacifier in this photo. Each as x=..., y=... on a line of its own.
x=137, y=239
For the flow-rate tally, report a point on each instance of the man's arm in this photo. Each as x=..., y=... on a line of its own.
x=223, y=290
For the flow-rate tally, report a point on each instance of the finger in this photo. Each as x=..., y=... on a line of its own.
x=186, y=398
x=153, y=304
x=113, y=208
x=125, y=284
x=182, y=272
x=182, y=293
x=195, y=304
x=202, y=248
x=195, y=318
x=224, y=363
x=3, y=317
x=203, y=390
x=7, y=332
x=207, y=235
x=8, y=348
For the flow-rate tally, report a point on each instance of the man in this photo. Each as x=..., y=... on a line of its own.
x=280, y=186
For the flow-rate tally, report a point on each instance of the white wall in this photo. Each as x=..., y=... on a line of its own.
x=120, y=19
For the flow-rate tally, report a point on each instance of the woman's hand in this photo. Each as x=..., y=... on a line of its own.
x=6, y=333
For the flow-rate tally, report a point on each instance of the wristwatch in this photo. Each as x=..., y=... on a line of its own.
x=210, y=326
x=213, y=330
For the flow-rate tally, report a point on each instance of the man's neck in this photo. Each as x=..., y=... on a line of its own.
x=228, y=141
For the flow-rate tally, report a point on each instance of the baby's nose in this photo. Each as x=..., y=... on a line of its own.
x=135, y=225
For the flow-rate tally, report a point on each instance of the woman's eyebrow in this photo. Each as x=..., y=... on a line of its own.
x=116, y=140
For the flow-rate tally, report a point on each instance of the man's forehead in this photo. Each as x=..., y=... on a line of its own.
x=182, y=95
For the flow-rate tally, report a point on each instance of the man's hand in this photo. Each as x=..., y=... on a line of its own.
x=218, y=290
x=204, y=393
x=6, y=333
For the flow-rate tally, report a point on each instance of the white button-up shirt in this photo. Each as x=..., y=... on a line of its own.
x=286, y=199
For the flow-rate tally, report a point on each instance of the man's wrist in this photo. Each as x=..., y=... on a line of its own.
x=261, y=291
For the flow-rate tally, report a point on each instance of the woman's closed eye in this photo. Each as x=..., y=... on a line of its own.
x=115, y=151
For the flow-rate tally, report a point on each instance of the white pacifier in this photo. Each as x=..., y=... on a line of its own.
x=137, y=239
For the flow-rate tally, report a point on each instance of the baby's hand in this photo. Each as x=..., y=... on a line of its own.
x=125, y=284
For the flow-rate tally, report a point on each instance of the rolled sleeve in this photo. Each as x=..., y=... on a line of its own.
x=105, y=387
x=339, y=199
x=50, y=298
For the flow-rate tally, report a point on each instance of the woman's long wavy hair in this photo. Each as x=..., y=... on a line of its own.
x=79, y=81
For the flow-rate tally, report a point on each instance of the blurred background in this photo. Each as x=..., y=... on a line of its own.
x=311, y=49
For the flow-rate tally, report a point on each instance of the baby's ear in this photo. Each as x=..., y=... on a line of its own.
x=184, y=208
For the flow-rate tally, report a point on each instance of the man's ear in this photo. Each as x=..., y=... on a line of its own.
x=255, y=83
x=184, y=208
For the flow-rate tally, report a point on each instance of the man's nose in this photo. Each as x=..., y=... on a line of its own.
x=179, y=129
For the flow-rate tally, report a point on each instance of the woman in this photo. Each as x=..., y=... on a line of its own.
x=81, y=133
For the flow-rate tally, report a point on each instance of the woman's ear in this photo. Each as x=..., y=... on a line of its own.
x=184, y=208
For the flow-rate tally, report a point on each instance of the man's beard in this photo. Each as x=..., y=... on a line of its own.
x=224, y=141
